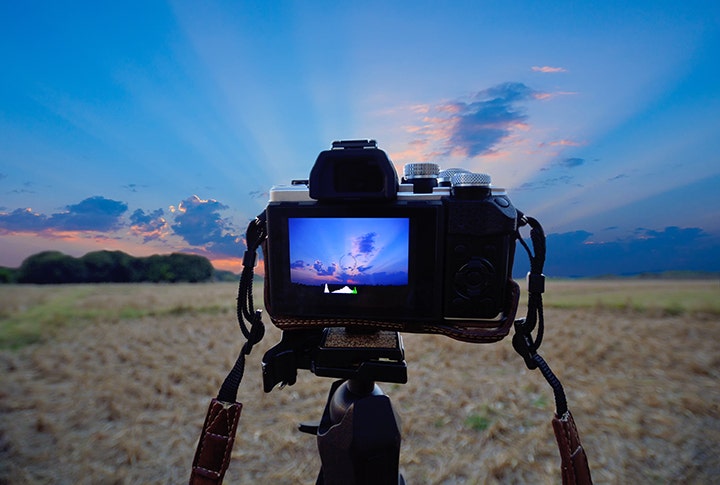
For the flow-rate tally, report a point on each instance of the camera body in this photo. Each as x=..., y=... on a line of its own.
x=354, y=246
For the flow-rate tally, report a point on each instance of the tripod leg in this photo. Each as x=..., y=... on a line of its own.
x=363, y=447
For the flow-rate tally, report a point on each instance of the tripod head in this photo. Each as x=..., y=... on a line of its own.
x=335, y=352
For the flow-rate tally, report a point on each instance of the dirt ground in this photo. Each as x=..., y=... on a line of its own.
x=123, y=401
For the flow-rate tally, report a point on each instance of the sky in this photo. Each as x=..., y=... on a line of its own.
x=156, y=127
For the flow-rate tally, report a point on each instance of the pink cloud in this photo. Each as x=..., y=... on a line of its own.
x=473, y=127
x=563, y=143
x=545, y=96
x=548, y=69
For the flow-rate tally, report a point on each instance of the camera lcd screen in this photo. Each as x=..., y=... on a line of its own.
x=340, y=254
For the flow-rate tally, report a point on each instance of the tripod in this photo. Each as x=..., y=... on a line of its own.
x=359, y=434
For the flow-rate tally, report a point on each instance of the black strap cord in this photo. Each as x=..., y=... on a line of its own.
x=256, y=234
x=523, y=341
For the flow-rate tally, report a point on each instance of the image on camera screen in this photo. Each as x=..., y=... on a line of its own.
x=339, y=254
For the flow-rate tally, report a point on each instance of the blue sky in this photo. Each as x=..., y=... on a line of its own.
x=153, y=127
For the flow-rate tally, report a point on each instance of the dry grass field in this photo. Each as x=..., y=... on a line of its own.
x=110, y=384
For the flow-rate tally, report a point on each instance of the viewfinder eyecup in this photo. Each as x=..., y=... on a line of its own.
x=353, y=170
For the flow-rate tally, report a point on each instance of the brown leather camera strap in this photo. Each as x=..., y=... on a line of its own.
x=217, y=436
x=573, y=460
x=574, y=466
x=212, y=456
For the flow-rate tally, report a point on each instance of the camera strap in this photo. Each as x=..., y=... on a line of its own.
x=217, y=437
x=573, y=460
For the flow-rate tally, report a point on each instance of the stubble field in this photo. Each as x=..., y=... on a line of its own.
x=110, y=384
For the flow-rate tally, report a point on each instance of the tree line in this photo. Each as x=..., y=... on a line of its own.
x=54, y=267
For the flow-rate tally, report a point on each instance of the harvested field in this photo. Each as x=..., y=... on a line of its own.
x=114, y=387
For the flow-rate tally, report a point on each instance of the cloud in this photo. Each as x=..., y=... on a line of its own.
x=194, y=220
x=671, y=249
x=474, y=127
x=318, y=272
x=27, y=188
x=548, y=69
x=547, y=95
x=134, y=187
x=309, y=271
x=259, y=194
x=364, y=244
x=92, y=214
x=151, y=226
x=572, y=162
x=322, y=270
x=565, y=163
x=199, y=223
x=22, y=220
x=22, y=191
x=547, y=183
x=618, y=177
x=562, y=143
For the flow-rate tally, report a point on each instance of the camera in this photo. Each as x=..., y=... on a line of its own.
x=354, y=246
x=353, y=256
